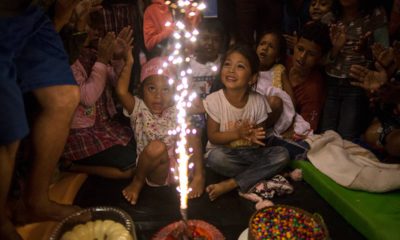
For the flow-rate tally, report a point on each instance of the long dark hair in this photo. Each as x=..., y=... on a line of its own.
x=248, y=52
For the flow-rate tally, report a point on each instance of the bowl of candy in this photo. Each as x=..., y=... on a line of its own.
x=96, y=223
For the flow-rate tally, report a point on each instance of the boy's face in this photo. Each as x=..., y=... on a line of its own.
x=319, y=8
x=208, y=46
x=307, y=55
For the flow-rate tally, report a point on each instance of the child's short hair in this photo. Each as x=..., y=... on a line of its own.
x=211, y=25
x=248, y=52
x=214, y=26
x=281, y=42
x=318, y=33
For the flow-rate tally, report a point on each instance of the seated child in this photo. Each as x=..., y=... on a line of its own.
x=206, y=63
x=271, y=50
x=272, y=78
x=98, y=143
x=236, y=118
x=305, y=74
x=152, y=116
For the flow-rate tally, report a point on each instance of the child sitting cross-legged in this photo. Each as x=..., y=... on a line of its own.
x=152, y=116
x=237, y=117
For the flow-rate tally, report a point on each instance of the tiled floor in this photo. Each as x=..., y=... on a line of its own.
x=157, y=207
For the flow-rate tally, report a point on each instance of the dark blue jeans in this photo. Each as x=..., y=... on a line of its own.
x=248, y=165
x=346, y=108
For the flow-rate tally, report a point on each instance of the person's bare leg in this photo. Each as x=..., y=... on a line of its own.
x=198, y=181
x=216, y=190
x=152, y=164
x=107, y=172
x=7, y=162
x=49, y=134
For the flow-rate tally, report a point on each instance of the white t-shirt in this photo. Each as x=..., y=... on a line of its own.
x=229, y=117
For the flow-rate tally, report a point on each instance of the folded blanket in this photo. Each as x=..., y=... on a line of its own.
x=350, y=165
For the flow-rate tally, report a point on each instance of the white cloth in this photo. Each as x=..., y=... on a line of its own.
x=350, y=165
x=288, y=115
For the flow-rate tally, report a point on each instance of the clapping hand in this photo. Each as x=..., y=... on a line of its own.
x=337, y=34
x=124, y=43
x=106, y=48
x=291, y=40
x=368, y=79
x=385, y=56
x=251, y=133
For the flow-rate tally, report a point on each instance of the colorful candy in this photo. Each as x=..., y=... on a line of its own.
x=284, y=222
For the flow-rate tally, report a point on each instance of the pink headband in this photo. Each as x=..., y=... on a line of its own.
x=152, y=67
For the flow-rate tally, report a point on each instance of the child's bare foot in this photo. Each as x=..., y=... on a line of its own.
x=131, y=192
x=197, y=186
x=41, y=211
x=216, y=190
x=7, y=231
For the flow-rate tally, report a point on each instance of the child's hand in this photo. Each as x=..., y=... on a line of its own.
x=364, y=43
x=385, y=56
x=337, y=34
x=106, y=48
x=256, y=135
x=248, y=132
x=123, y=43
x=291, y=40
x=368, y=79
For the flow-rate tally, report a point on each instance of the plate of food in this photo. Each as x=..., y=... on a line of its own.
x=96, y=223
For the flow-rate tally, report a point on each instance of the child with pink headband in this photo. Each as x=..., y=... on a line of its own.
x=152, y=115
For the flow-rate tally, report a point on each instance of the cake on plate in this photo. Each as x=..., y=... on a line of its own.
x=195, y=230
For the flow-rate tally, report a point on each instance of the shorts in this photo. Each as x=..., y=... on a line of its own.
x=32, y=56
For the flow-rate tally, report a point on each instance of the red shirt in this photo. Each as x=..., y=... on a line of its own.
x=310, y=97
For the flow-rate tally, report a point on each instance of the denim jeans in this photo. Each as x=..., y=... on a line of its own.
x=297, y=150
x=248, y=165
x=345, y=109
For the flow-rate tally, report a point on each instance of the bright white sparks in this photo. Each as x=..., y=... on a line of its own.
x=179, y=60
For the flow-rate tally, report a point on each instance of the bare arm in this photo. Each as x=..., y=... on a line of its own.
x=122, y=89
x=287, y=87
x=217, y=137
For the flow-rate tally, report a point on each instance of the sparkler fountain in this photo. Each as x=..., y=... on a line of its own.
x=183, y=39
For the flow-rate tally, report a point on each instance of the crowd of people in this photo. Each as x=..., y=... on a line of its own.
x=290, y=69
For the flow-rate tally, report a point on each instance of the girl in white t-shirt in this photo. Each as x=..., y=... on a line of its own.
x=237, y=117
